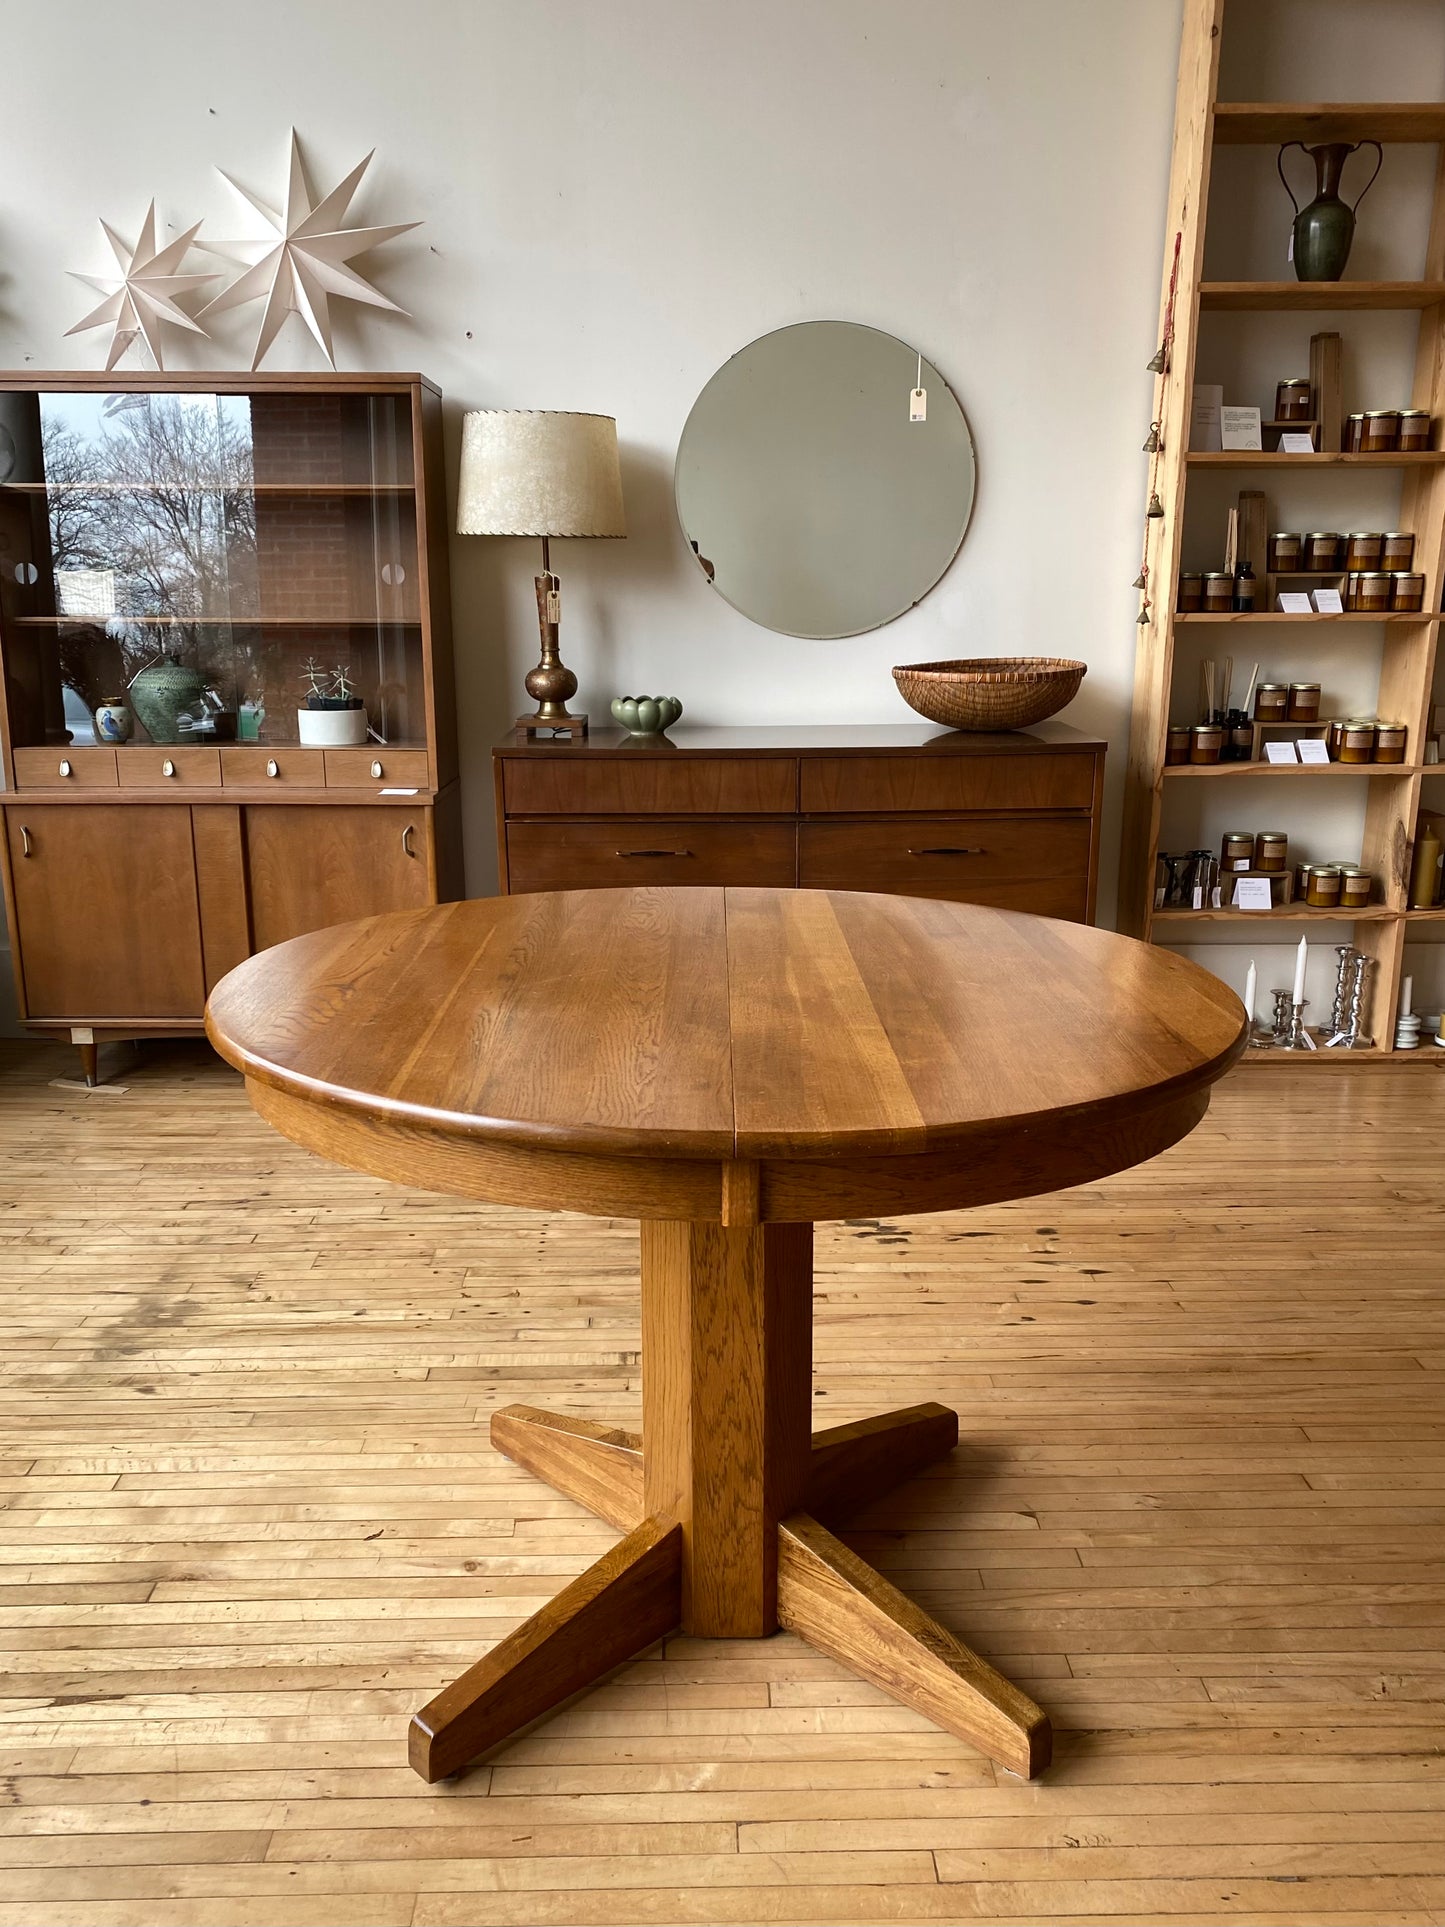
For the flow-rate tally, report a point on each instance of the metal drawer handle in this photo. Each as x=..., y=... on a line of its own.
x=953, y=849
x=652, y=852
x=273, y=768
x=406, y=836
x=65, y=766
x=168, y=768
x=24, y=841
x=376, y=769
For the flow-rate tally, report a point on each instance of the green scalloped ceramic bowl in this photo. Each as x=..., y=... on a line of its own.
x=646, y=715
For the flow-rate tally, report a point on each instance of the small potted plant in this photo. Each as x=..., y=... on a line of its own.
x=334, y=716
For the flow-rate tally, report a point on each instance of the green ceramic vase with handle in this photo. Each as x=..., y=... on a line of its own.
x=646, y=715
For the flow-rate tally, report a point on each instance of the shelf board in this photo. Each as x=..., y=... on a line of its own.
x=1437, y=915
x=1245, y=123
x=1262, y=295
x=1278, y=615
x=1271, y=458
x=1290, y=913
x=1295, y=769
x=374, y=621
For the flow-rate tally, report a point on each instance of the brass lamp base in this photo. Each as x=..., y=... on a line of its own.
x=551, y=682
x=568, y=724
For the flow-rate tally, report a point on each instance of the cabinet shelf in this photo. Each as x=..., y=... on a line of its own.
x=1287, y=913
x=1244, y=123
x=1297, y=769
x=1279, y=615
x=1261, y=296
x=1272, y=458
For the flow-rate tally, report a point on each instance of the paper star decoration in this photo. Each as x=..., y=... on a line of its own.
x=143, y=295
x=301, y=270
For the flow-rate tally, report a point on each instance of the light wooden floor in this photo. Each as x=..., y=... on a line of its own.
x=251, y=1520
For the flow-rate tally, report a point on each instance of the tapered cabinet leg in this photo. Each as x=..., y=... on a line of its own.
x=90, y=1063
x=625, y=1602
x=831, y=1598
x=727, y=1321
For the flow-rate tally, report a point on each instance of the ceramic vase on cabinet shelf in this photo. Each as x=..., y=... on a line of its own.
x=1324, y=231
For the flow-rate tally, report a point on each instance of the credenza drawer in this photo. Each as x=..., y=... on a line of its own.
x=64, y=768
x=376, y=768
x=953, y=782
x=159, y=766
x=1012, y=862
x=654, y=781
x=254, y=765
x=595, y=855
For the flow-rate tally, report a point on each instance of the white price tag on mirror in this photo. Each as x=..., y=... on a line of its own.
x=918, y=405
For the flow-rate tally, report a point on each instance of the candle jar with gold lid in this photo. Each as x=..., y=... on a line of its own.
x=1236, y=850
x=1414, y=430
x=1354, y=433
x=1271, y=850
x=1303, y=704
x=1293, y=400
x=1381, y=434
x=1206, y=743
x=1218, y=592
x=1191, y=593
x=1407, y=591
x=1364, y=550
x=1334, y=737
x=1285, y=551
x=1374, y=591
x=1176, y=747
x=1271, y=702
x=1357, y=740
x=1356, y=888
x=1399, y=551
x=1322, y=550
x=1390, y=742
x=1322, y=886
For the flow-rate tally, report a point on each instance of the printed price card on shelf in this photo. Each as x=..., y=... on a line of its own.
x=1280, y=753
x=1314, y=749
x=1253, y=893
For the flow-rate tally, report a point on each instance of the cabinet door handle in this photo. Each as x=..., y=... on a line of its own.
x=376, y=769
x=24, y=841
x=273, y=768
x=652, y=852
x=168, y=768
x=65, y=766
x=406, y=837
x=952, y=849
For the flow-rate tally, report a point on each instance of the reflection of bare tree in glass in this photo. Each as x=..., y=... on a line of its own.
x=163, y=497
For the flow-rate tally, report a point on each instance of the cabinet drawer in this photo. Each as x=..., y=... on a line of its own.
x=159, y=766
x=376, y=768
x=1021, y=781
x=1032, y=863
x=58, y=768
x=254, y=766
x=655, y=781
x=592, y=855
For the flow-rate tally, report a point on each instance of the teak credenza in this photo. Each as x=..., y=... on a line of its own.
x=1009, y=819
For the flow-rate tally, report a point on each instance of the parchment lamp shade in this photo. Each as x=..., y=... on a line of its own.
x=534, y=472
x=541, y=472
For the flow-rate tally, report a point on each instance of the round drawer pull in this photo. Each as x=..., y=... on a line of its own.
x=65, y=769
x=273, y=768
x=376, y=769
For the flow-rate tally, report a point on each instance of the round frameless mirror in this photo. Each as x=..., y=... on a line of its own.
x=813, y=499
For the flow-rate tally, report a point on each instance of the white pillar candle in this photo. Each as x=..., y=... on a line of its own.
x=1301, y=959
x=1251, y=981
x=1407, y=994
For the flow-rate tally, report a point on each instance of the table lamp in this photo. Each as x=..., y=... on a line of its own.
x=541, y=472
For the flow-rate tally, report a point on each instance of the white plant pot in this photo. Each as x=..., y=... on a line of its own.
x=331, y=728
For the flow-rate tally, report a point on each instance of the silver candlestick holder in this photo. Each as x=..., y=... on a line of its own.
x=1275, y=1037
x=1348, y=1032
x=1297, y=1037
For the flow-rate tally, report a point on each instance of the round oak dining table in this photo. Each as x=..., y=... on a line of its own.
x=728, y=1066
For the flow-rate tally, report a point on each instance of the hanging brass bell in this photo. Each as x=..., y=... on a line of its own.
x=1144, y=616
x=1141, y=581
x=1159, y=363
x=1156, y=508
x=1153, y=444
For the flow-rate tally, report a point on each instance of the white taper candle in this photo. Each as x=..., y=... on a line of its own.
x=1302, y=956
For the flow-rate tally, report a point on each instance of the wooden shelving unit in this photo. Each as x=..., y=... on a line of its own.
x=1408, y=642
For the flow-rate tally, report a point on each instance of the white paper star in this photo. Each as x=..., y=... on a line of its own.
x=142, y=295
x=299, y=272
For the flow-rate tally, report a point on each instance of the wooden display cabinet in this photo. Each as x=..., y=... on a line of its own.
x=215, y=534
x=1391, y=794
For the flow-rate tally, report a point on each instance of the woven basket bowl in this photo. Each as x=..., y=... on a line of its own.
x=990, y=692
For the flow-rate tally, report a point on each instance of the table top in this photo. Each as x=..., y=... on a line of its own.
x=809, y=739
x=725, y=1023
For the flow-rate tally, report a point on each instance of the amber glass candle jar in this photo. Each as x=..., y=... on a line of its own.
x=1356, y=889
x=1322, y=887
x=1334, y=737
x=1292, y=400
x=1218, y=592
x=1176, y=747
x=1357, y=740
x=1236, y=850
x=1354, y=433
x=1284, y=553
x=1304, y=703
x=1364, y=550
x=1271, y=702
x=1381, y=434
x=1390, y=742
x=1399, y=551
x=1322, y=549
x=1414, y=430
x=1407, y=591
x=1191, y=593
x=1375, y=590
x=1271, y=850
x=1206, y=743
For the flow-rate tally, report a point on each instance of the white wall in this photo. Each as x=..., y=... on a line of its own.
x=618, y=194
